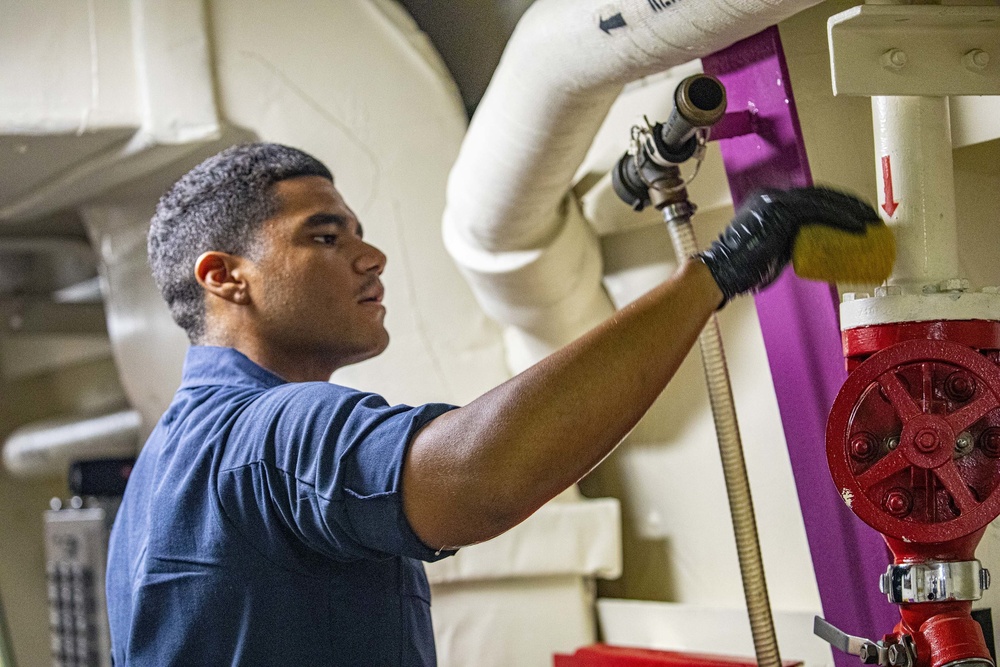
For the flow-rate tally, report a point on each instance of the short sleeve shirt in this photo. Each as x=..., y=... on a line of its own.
x=263, y=525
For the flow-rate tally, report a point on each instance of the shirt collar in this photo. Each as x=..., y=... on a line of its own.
x=207, y=365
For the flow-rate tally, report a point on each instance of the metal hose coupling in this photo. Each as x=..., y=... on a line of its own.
x=940, y=581
x=637, y=178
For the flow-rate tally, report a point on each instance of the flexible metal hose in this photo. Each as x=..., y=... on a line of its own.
x=733, y=467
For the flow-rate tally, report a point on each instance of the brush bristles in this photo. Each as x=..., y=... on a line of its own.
x=833, y=255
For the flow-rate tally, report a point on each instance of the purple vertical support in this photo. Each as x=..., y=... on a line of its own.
x=801, y=331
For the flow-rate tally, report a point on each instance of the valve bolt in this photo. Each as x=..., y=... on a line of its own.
x=964, y=444
x=892, y=442
x=869, y=653
x=864, y=446
x=897, y=655
x=926, y=441
x=898, y=502
x=960, y=386
x=990, y=442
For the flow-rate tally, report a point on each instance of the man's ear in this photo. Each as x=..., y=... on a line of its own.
x=222, y=274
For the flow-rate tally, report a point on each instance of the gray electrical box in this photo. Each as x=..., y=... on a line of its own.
x=76, y=551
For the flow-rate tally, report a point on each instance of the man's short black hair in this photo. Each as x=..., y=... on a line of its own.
x=219, y=205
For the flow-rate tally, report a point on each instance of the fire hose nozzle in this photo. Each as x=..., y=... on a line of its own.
x=656, y=150
x=699, y=102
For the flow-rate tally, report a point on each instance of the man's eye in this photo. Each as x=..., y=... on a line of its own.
x=328, y=239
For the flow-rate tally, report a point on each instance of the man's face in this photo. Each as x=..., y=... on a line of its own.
x=315, y=283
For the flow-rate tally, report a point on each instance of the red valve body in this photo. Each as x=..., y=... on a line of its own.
x=862, y=342
x=914, y=446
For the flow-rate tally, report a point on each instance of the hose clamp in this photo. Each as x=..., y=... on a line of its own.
x=935, y=582
x=643, y=144
x=682, y=210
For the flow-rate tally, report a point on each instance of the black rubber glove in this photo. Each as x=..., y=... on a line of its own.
x=758, y=243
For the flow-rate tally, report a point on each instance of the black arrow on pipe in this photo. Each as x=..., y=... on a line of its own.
x=609, y=24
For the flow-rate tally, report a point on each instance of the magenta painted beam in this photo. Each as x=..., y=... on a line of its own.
x=799, y=321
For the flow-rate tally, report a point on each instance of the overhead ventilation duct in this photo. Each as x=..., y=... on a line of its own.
x=128, y=91
x=511, y=222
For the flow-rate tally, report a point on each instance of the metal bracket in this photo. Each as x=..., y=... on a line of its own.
x=929, y=50
x=870, y=653
x=900, y=654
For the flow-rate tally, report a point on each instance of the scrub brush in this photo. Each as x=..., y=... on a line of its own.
x=835, y=255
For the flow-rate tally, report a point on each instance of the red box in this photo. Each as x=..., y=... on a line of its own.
x=602, y=655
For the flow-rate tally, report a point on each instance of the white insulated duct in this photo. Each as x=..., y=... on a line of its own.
x=144, y=67
x=47, y=448
x=511, y=223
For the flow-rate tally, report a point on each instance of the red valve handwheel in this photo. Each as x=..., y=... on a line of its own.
x=913, y=441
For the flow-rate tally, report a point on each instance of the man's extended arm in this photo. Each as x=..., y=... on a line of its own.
x=477, y=471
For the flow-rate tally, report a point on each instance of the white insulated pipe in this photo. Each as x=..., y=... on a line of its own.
x=914, y=169
x=915, y=172
x=511, y=222
x=47, y=448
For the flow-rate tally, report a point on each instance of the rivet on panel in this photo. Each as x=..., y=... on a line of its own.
x=964, y=444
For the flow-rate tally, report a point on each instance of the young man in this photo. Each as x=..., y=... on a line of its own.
x=275, y=518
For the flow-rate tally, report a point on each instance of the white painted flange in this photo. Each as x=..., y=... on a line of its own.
x=891, y=309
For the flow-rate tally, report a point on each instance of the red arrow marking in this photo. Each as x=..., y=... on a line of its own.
x=889, y=206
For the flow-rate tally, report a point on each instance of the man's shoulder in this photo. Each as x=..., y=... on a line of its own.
x=313, y=394
x=241, y=397
x=296, y=412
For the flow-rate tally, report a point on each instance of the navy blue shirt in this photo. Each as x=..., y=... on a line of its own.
x=263, y=525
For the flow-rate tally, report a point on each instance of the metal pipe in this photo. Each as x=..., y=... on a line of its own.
x=914, y=166
x=6, y=646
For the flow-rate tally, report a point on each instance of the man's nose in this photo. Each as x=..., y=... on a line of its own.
x=371, y=259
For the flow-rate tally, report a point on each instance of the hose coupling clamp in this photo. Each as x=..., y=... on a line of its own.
x=944, y=581
x=681, y=210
